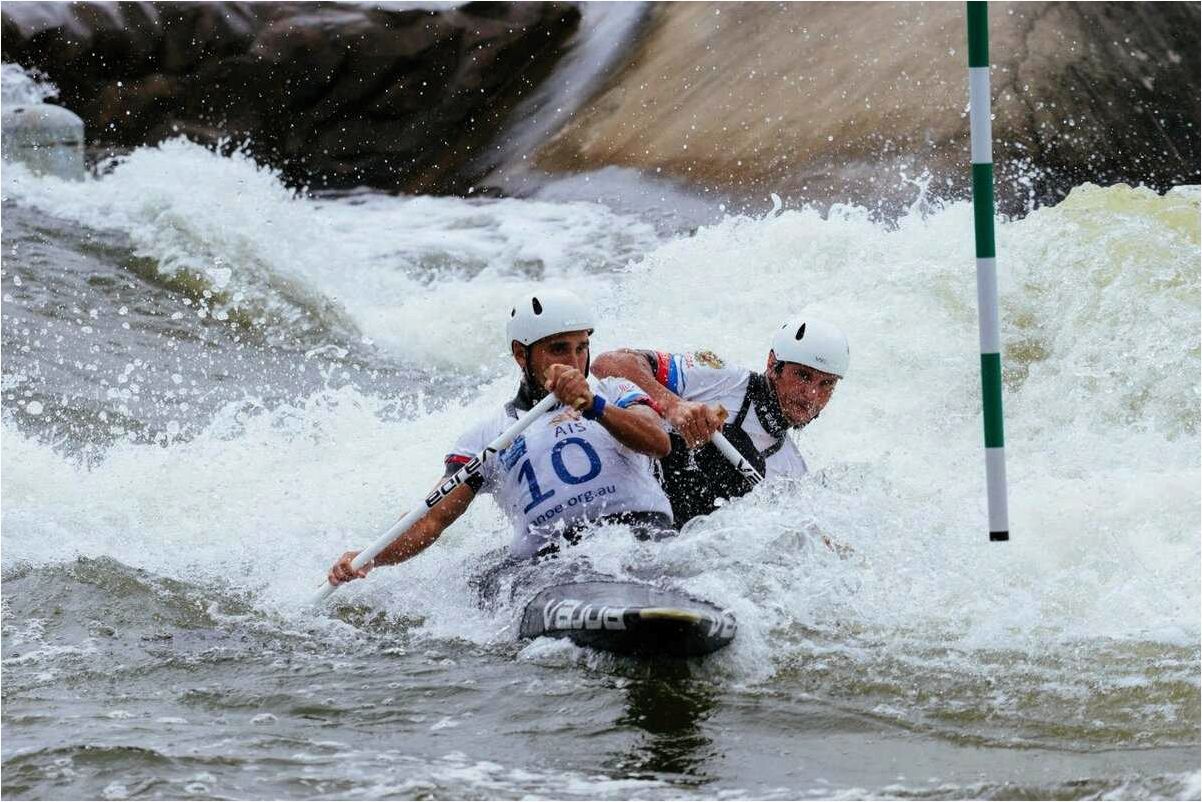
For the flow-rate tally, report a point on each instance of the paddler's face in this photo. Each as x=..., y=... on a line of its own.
x=569, y=348
x=802, y=391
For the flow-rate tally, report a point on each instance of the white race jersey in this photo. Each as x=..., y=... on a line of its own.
x=563, y=469
x=702, y=377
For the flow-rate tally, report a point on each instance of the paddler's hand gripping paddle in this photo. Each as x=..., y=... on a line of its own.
x=472, y=468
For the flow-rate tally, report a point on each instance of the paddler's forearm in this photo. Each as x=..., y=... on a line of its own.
x=638, y=428
x=422, y=534
x=632, y=365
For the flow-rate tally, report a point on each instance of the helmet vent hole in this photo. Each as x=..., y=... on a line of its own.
x=513, y=312
x=801, y=332
x=538, y=308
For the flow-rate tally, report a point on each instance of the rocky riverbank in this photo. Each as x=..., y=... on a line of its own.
x=815, y=101
x=336, y=95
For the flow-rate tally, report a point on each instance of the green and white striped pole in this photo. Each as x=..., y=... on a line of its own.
x=982, y=207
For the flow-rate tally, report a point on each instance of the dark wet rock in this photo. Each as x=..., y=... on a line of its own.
x=821, y=101
x=334, y=95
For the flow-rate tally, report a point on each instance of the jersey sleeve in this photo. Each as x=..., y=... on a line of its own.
x=668, y=369
x=622, y=393
x=469, y=444
x=696, y=375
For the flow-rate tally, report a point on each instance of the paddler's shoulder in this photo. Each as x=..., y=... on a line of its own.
x=706, y=361
x=706, y=358
x=703, y=375
x=703, y=358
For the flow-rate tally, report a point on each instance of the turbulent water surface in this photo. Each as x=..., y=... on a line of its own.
x=212, y=386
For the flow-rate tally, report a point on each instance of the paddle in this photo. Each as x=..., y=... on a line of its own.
x=731, y=453
x=470, y=469
x=736, y=459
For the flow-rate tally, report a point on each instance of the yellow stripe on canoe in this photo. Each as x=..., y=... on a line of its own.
x=670, y=614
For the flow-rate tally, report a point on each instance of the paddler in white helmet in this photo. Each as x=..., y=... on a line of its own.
x=698, y=395
x=589, y=460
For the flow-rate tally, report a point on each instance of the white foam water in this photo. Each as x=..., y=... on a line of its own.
x=19, y=86
x=1100, y=311
x=368, y=265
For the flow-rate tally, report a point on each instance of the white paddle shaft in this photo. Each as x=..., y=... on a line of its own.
x=736, y=459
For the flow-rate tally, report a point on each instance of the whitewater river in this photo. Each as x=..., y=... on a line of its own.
x=213, y=386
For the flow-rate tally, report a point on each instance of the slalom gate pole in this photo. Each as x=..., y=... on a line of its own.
x=987, y=296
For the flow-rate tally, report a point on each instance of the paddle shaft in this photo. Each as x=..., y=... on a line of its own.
x=470, y=469
x=736, y=459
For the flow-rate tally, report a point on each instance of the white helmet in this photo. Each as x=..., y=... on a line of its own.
x=814, y=343
x=542, y=313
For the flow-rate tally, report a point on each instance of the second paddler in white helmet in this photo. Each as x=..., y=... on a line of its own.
x=699, y=394
x=589, y=460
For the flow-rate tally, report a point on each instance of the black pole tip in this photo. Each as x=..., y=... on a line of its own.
x=998, y=537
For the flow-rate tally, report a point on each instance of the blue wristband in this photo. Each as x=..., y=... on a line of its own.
x=595, y=410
